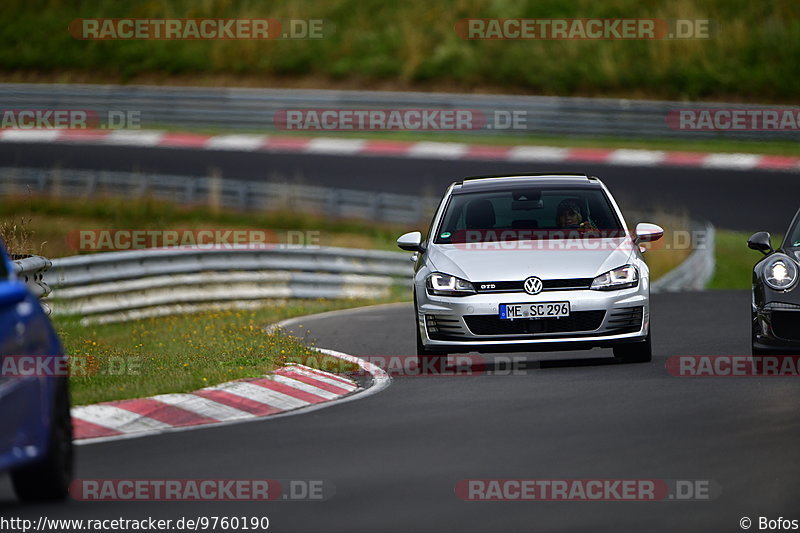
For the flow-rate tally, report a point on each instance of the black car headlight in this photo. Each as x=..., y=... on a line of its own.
x=623, y=277
x=780, y=272
x=446, y=285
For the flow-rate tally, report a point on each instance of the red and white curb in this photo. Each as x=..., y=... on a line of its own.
x=421, y=150
x=288, y=390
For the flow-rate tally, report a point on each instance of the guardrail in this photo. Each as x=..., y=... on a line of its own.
x=31, y=270
x=696, y=270
x=255, y=109
x=236, y=194
x=119, y=286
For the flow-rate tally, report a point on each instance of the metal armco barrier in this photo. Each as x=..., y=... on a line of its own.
x=255, y=109
x=696, y=270
x=31, y=270
x=119, y=286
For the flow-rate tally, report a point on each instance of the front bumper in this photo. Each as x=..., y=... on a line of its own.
x=776, y=327
x=471, y=323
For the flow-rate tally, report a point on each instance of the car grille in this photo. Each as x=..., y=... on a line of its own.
x=547, y=285
x=625, y=320
x=443, y=327
x=494, y=325
x=786, y=325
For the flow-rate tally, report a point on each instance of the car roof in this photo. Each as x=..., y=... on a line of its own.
x=504, y=181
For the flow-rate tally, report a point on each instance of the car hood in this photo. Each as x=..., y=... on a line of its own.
x=511, y=261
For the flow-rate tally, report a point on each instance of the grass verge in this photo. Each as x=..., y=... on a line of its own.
x=749, y=55
x=735, y=261
x=49, y=221
x=188, y=352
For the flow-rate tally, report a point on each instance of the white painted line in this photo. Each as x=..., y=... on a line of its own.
x=733, y=161
x=262, y=395
x=537, y=153
x=637, y=157
x=243, y=143
x=117, y=419
x=335, y=146
x=305, y=387
x=438, y=150
x=324, y=377
x=34, y=136
x=134, y=137
x=202, y=406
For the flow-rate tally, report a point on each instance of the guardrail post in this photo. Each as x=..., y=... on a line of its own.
x=333, y=204
x=189, y=190
x=243, y=190
x=215, y=191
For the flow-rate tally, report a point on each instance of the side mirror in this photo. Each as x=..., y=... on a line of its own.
x=760, y=241
x=411, y=242
x=646, y=232
x=12, y=293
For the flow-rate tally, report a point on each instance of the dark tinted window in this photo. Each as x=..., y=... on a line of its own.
x=528, y=213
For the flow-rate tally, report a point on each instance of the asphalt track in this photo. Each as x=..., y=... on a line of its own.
x=395, y=457
x=741, y=200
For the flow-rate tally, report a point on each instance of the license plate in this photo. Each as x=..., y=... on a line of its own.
x=536, y=310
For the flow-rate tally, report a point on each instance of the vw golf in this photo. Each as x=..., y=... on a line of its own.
x=531, y=262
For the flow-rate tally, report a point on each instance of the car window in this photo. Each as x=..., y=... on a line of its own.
x=793, y=236
x=525, y=214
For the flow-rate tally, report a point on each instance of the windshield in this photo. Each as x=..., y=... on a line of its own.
x=793, y=236
x=528, y=214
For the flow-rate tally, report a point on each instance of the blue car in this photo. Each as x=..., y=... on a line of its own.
x=35, y=422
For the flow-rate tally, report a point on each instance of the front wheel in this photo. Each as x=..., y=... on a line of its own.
x=49, y=477
x=635, y=352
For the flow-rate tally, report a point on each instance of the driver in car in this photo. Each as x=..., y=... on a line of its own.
x=569, y=215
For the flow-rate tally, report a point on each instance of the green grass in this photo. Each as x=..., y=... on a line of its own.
x=751, y=55
x=188, y=352
x=48, y=221
x=734, y=260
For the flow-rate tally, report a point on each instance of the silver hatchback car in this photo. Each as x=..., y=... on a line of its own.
x=532, y=262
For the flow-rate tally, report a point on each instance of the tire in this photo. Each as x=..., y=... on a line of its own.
x=50, y=477
x=635, y=352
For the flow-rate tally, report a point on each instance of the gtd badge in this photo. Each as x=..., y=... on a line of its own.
x=533, y=285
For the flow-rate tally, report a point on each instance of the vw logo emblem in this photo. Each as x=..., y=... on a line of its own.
x=533, y=285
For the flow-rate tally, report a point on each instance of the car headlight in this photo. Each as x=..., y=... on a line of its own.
x=623, y=277
x=446, y=285
x=780, y=272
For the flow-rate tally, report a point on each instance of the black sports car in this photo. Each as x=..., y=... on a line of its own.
x=776, y=296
